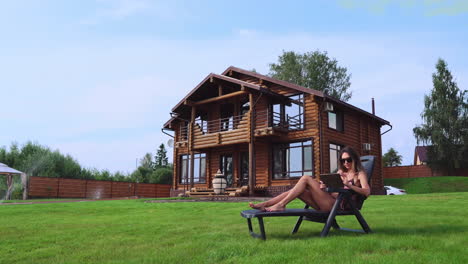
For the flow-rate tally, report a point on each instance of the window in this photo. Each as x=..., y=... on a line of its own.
x=334, y=157
x=244, y=169
x=199, y=168
x=290, y=116
x=292, y=160
x=225, y=165
x=295, y=112
x=335, y=120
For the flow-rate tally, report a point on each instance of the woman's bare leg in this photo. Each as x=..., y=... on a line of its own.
x=272, y=201
x=295, y=192
x=306, y=197
x=320, y=199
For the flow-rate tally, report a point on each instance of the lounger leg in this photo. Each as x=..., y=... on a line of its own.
x=298, y=224
x=335, y=225
x=331, y=217
x=262, y=228
x=362, y=221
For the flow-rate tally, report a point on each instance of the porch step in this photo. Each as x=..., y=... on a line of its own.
x=235, y=192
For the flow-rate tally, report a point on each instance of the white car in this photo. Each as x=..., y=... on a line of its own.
x=394, y=191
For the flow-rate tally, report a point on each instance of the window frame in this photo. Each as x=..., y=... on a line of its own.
x=339, y=120
x=284, y=149
x=283, y=109
x=338, y=149
x=198, y=157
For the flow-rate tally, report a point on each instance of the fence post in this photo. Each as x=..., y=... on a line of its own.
x=86, y=188
x=58, y=187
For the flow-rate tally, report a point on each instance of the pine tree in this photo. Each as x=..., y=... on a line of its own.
x=445, y=122
x=161, y=157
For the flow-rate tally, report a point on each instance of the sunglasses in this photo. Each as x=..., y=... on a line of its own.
x=349, y=160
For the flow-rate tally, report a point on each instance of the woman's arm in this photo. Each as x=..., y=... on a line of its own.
x=364, y=189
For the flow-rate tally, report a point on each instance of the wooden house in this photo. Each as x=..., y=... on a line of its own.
x=265, y=133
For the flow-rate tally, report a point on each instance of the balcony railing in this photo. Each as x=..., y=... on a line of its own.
x=220, y=125
x=263, y=119
x=266, y=118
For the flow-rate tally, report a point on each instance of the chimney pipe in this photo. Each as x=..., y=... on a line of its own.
x=373, y=106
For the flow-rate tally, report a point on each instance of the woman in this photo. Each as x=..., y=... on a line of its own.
x=311, y=191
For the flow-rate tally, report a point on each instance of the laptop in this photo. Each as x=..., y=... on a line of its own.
x=332, y=180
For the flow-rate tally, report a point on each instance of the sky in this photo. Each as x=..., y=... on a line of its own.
x=97, y=79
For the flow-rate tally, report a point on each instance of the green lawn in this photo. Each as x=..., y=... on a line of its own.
x=425, y=228
x=430, y=184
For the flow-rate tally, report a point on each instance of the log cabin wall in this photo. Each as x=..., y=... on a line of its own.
x=357, y=129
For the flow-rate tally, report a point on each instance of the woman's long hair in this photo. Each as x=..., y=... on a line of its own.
x=356, y=166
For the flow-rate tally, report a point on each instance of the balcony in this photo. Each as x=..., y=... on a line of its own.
x=269, y=123
x=235, y=129
x=223, y=131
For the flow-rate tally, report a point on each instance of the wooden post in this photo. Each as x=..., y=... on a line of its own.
x=192, y=156
x=251, y=148
x=58, y=187
x=111, y=188
x=220, y=90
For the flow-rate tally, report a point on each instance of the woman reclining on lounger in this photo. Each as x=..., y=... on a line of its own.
x=311, y=191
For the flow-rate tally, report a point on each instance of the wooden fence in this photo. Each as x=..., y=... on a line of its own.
x=417, y=171
x=43, y=187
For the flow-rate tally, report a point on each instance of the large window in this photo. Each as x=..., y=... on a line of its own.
x=334, y=157
x=335, y=120
x=292, y=160
x=199, y=168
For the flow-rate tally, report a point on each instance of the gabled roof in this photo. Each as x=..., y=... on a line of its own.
x=264, y=81
x=305, y=90
x=229, y=80
x=273, y=80
x=220, y=77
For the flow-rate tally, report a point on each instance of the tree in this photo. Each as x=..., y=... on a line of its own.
x=161, y=157
x=161, y=175
x=147, y=161
x=445, y=122
x=314, y=70
x=391, y=158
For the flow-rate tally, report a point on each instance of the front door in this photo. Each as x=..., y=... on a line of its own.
x=225, y=164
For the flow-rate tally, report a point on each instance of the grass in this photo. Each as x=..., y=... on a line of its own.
x=430, y=184
x=38, y=200
x=425, y=228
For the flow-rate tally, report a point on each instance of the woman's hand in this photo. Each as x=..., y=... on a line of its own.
x=344, y=179
x=322, y=185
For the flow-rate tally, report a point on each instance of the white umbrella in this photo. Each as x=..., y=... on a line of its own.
x=4, y=169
